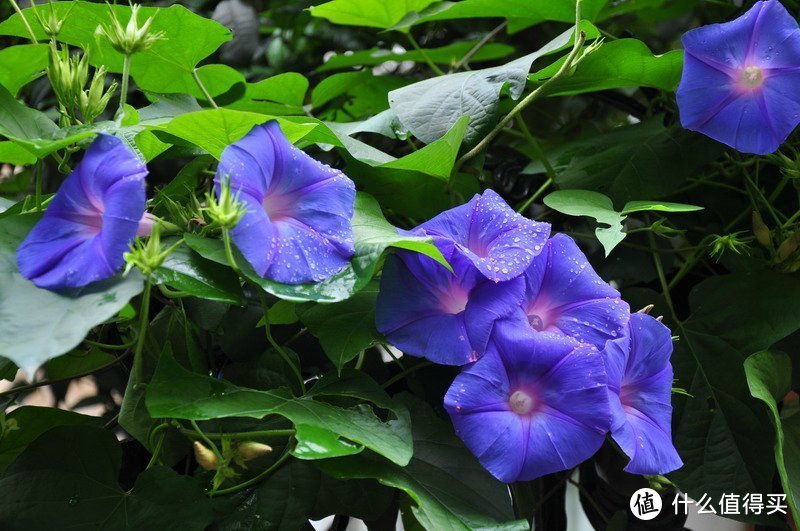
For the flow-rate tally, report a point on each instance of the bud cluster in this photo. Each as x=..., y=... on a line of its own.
x=68, y=75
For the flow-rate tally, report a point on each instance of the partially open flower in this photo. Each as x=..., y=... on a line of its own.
x=640, y=386
x=91, y=221
x=534, y=404
x=297, y=225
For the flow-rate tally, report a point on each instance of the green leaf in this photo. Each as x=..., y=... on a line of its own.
x=373, y=235
x=721, y=432
x=185, y=270
x=430, y=108
x=175, y=392
x=769, y=376
x=276, y=95
x=657, y=206
x=444, y=55
x=371, y=13
x=594, y=205
x=32, y=421
x=215, y=129
x=282, y=313
x=354, y=94
x=616, y=64
x=67, y=478
x=529, y=12
x=631, y=162
x=77, y=362
x=12, y=153
x=346, y=328
x=449, y=486
x=21, y=64
x=39, y=324
x=167, y=67
x=217, y=80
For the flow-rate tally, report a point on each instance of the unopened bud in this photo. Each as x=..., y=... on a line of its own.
x=205, y=457
x=50, y=22
x=148, y=256
x=760, y=229
x=789, y=246
x=131, y=38
x=225, y=209
x=251, y=450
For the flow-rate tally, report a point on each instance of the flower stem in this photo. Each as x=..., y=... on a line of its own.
x=123, y=91
x=144, y=321
x=32, y=35
x=203, y=89
x=282, y=353
x=535, y=195
x=38, y=171
x=580, y=39
x=211, y=445
x=424, y=54
x=226, y=239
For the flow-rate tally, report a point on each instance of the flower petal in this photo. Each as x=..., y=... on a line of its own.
x=500, y=242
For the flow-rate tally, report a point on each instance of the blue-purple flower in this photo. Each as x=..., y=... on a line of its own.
x=297, y=226
x=741, y=79
x=534, y=404
x=564, y=295
x=640, y=386
x=500, y=242
x=90, y=222
x=447, y=317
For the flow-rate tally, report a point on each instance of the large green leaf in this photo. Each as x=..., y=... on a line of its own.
x=430, y=108
x=277, y=95
x=215, y=129
x=38, y=324
x=175, y=392
x=444, y=55
x=617, y=64
x=13, y=153
x=166, y=67
x=345, y=328
x=185, y=270
x=373, y=235
x=67, y=478
x=631, y=162
x=31, y=422
x=721, y=432
x=769, y=376
x=21, y=64
x=372, y=13
x=449, y=486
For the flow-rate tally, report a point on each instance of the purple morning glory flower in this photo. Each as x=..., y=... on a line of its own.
x=534, y=404
x=90, y=222
x=564, y=295
x=640, y=386
x=447, y=317
x=297, y=226
x=500, y=242
x=741, y=79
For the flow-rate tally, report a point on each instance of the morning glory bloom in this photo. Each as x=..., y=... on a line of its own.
x=564, y=295
x=297, y=226
x=447, y=317
x=534, y=404
x=741, y=79
x=90, y=222
x=500, y=242
x=640, y=386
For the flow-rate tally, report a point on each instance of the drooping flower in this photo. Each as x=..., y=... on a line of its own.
x=447, y=317
x=741, y=79
x=90, y=222
x=297, y=226
x=534, y=404
x=500, y=242
x=640, y=386
x=564, y=295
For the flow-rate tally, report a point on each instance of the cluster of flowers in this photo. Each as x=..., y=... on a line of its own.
x=296, y=227
x=554, y=360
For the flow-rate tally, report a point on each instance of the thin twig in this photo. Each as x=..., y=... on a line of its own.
x=480, y=44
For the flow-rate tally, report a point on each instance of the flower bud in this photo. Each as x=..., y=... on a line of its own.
x=760, y=230
x=789, y=246
x=205, y=457
x=226, y=209
x=251, y=450
x=148, y=256
x=133, y=37
x=51, y=23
